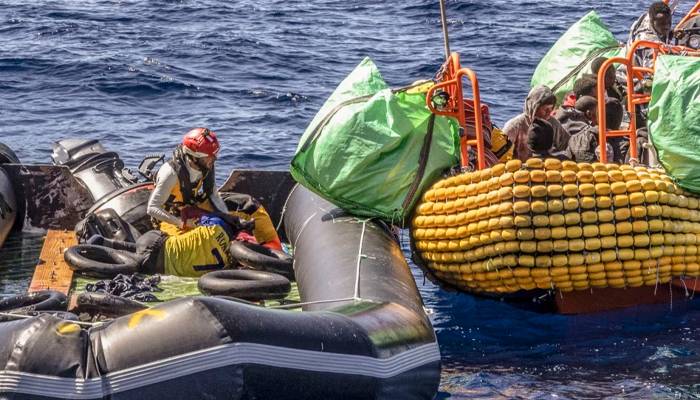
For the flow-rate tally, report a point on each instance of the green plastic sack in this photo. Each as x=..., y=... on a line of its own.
x=572, y=54
x=674, y=118
x=369, y=151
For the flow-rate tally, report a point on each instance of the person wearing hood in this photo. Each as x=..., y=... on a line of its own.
x=654, y=26
x=539, y=104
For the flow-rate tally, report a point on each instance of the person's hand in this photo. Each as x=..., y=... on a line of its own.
x=188, y=224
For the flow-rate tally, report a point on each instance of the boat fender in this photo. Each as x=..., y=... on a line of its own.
x=245, y=284
x=261, y=258
x=100, y=261
x=36, y=301
x=107, y=304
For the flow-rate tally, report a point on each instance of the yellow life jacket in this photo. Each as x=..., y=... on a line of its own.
x=186, y=193
x=197, y=251
x=500, y=145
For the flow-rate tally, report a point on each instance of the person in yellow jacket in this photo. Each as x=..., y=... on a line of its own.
x=187, y=181
x=202, y=249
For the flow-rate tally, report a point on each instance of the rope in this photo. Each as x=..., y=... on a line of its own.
x=297, y=305
x=23, y=316
x=284, y=207
x=579, y=67
x=356, y=296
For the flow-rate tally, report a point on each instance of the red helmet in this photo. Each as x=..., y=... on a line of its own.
x=200, y=143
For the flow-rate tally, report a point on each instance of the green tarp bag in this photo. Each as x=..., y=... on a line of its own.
x=674, y=118
x=372, y=151
x=572, y=54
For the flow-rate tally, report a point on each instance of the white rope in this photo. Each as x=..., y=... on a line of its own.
x=356, y=296
x=303, y=226
x=308, y=303
x=284, y=207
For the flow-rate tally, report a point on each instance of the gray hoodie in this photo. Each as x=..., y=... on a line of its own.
x=517, y=128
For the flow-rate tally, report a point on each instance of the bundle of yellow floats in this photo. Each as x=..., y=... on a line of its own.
x=553, y=224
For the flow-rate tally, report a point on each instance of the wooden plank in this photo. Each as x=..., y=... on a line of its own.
x=52, y=272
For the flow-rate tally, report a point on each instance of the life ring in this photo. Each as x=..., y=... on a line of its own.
x=245, y=284
x=261, y=258
x=37, y=301
x=107, y=304
x=100, y=261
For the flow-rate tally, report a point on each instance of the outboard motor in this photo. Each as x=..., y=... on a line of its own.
x=688, y=34
x=119, y=211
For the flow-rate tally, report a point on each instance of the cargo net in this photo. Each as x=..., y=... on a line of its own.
x=553, y=224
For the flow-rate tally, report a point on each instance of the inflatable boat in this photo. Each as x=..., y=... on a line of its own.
x=8, y=205
x=362, y=331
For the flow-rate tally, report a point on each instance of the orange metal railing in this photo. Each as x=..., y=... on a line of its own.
x=695, y=11
x=633, y=99
x=450, y=83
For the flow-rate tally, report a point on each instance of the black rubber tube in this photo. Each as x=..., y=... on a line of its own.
x=37, y=301
x=100, y=261
x=7, y=156
x=261, y=258
x=245, y=284
x=107, y=304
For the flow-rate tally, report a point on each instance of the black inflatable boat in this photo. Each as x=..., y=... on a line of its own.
x=362, y=332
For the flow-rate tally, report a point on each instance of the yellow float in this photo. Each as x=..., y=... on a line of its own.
x=557, y=225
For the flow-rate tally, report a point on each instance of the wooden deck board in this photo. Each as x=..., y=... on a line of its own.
x=52, y=272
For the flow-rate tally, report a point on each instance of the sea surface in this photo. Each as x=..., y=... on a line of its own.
x=138, y=74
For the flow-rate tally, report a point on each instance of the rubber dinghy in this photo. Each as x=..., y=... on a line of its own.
x=362, y=332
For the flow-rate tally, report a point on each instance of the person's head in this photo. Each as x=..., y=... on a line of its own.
x=540, y=136
x=660, y=18
x=544, y=110
x=201, y=145
x=609, y=73
x=587, y=85
x=613, y=114
x=589, y=107
x=540, y=103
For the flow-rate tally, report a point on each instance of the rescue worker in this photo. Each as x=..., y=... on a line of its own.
x=185, y=188
x=538, y=105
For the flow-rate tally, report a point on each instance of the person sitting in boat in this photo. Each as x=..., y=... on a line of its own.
x=187, y=182
x=654, y=26
x=538, y=105
x=583, y=147
x=584, y=86
x=612, y=88
x=567, y=113
x=202, y=249
x=540, y=137
x=582, y=116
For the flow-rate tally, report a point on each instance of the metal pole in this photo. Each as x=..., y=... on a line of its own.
x=443, y=19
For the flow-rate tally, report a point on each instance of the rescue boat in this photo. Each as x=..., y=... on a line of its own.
x=362, y=331
x=580, y=237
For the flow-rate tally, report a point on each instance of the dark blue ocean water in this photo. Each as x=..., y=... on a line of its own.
x=138, y=74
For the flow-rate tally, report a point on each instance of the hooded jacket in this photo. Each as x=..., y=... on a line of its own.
x=643, y=30
x=517, y=128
